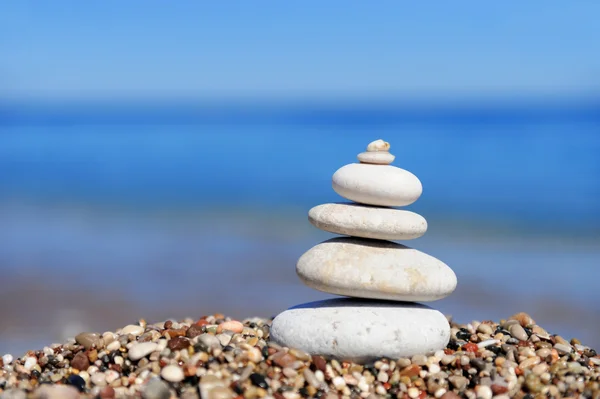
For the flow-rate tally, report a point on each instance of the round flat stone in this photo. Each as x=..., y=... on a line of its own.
x=375, y=269
x=378, y=158
x=382, y=185
x=368, y=221
x=361, y=330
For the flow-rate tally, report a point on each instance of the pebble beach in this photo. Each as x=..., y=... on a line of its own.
x=218, y=357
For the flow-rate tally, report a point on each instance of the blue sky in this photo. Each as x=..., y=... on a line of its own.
x=122, y=49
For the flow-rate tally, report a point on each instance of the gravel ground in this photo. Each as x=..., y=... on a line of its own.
x=218, y=358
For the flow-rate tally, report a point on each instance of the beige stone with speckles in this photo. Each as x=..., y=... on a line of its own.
x=368, y=222
x=375, y=269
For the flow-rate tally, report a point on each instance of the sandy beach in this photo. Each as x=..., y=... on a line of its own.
x=219, y=357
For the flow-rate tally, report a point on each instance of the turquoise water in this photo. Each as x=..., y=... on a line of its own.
x=101, y=223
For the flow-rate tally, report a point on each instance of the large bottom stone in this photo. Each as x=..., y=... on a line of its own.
x=361, y=330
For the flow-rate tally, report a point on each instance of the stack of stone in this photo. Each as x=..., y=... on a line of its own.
x=383, y=279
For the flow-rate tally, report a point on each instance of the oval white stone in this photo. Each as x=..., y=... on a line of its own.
x=172, y=373
x=383, y=185
x=361, y=330
x=142, y=349
x=378, y=158
x=364, y=268
x=368, y=221
x=134, y=329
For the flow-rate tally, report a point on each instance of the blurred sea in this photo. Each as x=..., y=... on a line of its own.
x=111, y=214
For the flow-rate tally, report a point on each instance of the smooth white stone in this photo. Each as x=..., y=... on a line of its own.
x=141, y=350
x=368, y=221
x=30, y=362
x=378, y=158
x=382, y=185
x=361, y=330
x=132, y=329
x=375, y=269
x=172, y=373
x=7, y=359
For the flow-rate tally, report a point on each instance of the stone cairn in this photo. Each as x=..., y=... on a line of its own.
x=382, y=279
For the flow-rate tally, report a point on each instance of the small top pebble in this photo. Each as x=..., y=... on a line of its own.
x=378, y=145
x=377, y=153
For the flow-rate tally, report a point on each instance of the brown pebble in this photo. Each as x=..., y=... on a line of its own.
x=523, y=318
x=411, y=371
x=80, y=362
x=283, y=359
x=93, y=355
x=319, y=362
x=194, y=331
x=271, y=351
x=167, y=324
x=178, y=343
x=175, y=333
x=232, y=325
x=147, y=336
x=450, y=395
x=498, y=389
x=107, y=392
x=189, y=370
x=201, y=322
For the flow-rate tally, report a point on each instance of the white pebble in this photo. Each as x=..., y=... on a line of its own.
x=439, y=393
x=378, y=145
x=483, y=392
x=172, y=373
x=447, y=359
x=109, y=336
x=320, y=376
x=413, y=392
x=362, y=385
x=224, y=339
x=30, y=362
x=419, y=360
x=383, y=376
x=7, y=359
x=162, y=344
x=84, y=375
x=132, y=329
x=339, y=383
x=113, y=346
x=434, y=368
x=98, y=379
x=487, y=342
x=111, y=376
x=142, y=349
